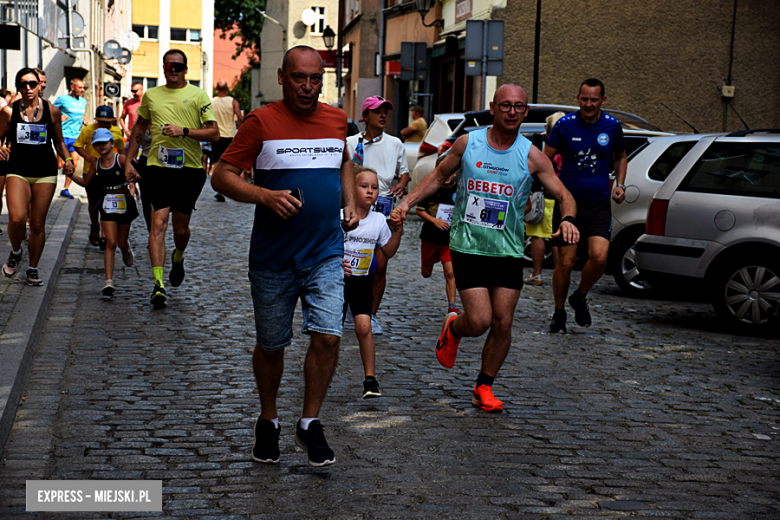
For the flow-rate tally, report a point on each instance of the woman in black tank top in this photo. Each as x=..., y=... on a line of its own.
x=30, y=126
x=117, y=206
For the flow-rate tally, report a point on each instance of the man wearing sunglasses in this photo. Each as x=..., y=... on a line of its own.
x=495, y=168
x=129, y=116
x=586, y=140
x=180, y=117
x=73, y=108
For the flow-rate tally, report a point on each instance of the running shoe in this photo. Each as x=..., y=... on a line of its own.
x=12, y=264
x=176, y=276
x=219, y=197
x=483, y=397
x=371, y=388
x=108, y=288
x=558, y=323
x=579, y=303
x=65, y=193
x=128, y=257
x=447, y=346
x=33, y=278
x=159, y=298
x=313, y=442
x=266, y=446
x=533, y=280
x=453, y=309
x=102, y=246
x=376, y=330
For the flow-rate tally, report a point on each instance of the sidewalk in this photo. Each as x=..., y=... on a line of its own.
x=25, y=307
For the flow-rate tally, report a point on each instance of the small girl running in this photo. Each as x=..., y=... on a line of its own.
x=117, y=207
x=359, y=246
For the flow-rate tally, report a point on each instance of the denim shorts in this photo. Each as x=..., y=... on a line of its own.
x=276, y=293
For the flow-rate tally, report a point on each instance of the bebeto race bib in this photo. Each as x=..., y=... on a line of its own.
x=170, y=157
x=384, y=205
x=115, y=204
x=445, y=213
x=488, y=213
x=27, y=133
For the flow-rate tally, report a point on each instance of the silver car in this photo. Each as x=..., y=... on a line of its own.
x=648, y=167
x=716, y=221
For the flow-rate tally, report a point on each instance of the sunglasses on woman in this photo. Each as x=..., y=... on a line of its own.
x=174, y=66
x=29, y=84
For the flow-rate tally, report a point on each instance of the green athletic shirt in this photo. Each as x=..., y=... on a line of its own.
x=493, y=187
x=188, y=107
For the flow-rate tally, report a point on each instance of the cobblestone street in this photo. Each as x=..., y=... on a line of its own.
x=654, y=411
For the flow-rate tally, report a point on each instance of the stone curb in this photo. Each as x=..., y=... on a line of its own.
x=20, y=336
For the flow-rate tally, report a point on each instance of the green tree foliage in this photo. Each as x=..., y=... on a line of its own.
x=243, y=23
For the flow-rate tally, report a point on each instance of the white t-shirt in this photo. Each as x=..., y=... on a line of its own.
x=387, y=156
x=360, y=243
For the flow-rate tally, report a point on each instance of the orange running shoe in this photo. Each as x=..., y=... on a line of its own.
x=484, y=398
x=447, y=346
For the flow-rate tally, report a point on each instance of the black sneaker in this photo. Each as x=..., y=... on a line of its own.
x=176, y=277
x=313, y=442
x=371, y=388
x=579, y=303
x=219, y=197
x=33, y=278
x=266, y=446
x=159, y=298
x=12, y=264
x=558, y=323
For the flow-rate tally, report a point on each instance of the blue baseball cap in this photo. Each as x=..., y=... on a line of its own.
x=102, y=135
x=104, y=112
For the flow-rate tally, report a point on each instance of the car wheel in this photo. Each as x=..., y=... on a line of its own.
x=747, y=294
x=624, y=269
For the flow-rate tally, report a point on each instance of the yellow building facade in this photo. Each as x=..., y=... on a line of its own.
x=162, y=25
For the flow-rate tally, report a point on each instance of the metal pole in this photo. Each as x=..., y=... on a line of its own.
x=537, y=46
x=484, y=61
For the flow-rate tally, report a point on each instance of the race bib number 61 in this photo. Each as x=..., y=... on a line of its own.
x=489, y=213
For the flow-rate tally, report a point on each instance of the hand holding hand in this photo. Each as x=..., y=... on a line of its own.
x=398, y=215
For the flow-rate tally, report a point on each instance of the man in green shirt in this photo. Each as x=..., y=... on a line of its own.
x=179, y=117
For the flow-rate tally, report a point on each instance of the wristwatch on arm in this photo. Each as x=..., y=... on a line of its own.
x=622, y=187
x=185, y=131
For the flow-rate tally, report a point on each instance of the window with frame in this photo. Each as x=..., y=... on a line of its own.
x=146, y=32
x=731, y=168
x=178, y=35
x=662, y=167
x=146, y=82
x=319, y=26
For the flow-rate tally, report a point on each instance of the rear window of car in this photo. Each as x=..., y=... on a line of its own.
x=738, y=169
x=664, y=165
x=453, y=123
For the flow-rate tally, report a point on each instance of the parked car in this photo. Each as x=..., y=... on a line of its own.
x=647, y=168
x=440, y=128
x=716, y=221
x=636, y=132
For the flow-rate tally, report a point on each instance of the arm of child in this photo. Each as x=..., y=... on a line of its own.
x=439, y=223
x=84, y=181
x=391, y=247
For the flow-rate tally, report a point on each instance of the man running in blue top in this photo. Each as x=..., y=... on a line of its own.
x=73, y=107
x=586, y=139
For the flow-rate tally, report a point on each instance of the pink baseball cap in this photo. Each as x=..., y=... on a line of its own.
x=374, y=102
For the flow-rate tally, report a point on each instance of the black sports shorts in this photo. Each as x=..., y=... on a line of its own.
x=175, y=188
x=594, y=219
x=473, y=271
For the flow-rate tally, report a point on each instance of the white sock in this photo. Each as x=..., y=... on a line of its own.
x=276, y=422
x=18, y=252
x=305, y=422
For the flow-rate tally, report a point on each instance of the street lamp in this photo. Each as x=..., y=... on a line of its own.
x=328, y=36
x=423, y=6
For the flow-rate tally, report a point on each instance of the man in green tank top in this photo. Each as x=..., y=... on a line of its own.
x=494, y=168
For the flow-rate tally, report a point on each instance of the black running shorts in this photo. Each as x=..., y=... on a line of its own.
x=359, y=294
x=175, y=188
x=594, y=219
x=473, y=271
